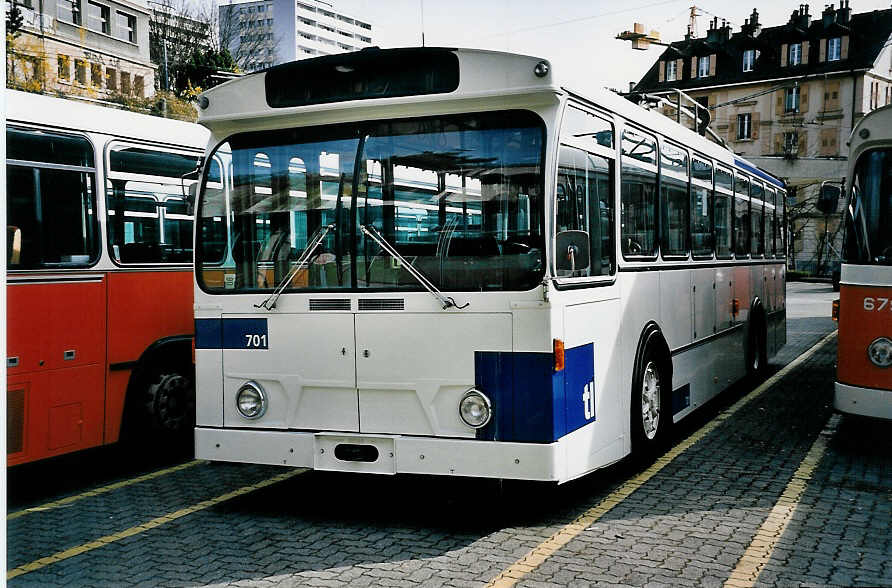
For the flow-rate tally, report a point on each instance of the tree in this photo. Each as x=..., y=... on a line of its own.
x=250, y=39
x=183, y=42
x=14, y=20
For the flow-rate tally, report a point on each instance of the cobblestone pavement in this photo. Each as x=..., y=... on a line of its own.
x=687, y=525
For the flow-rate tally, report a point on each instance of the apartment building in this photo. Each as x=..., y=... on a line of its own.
x=787, y=97
x=263, y=33
x=91, y=48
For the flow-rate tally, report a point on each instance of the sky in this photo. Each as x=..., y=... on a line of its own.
x=574, y=34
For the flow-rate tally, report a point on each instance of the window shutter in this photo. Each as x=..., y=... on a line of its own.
x=779, y=110
x=784, y=52
x=803, y=98
x=732, y=129
x=679, y=69
x=712, y=60
x=778, y=144
x=803, y=141
x=693, y=67
x=804, y=52
x=754, y=126
x=822, y=55
x=844, y=47
x=662, y=76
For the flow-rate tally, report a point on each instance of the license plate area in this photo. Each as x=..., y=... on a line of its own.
x=372, y=454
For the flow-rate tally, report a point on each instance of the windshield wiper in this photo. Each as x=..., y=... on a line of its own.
x=312, y=244
x=446, y=301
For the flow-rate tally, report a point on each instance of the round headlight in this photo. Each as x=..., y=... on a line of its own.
x=880, y=352
x=475, y=409
x=251, y=400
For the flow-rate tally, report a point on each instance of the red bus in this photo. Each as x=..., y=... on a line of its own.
x=99, y=280
x=864, y=309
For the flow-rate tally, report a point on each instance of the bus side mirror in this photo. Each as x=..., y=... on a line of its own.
x=572, y=250
x=190, y=194
x=828, y=199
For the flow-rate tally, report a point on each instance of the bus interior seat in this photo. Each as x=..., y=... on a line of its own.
x=13, y=245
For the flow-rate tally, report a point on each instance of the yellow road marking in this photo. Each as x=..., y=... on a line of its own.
x=103, y=489
x=536, y=556
x=758, y=553
x=156, y=522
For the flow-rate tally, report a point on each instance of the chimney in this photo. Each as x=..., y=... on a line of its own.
x=751, y=26
x=828, y=16
x=844, y=14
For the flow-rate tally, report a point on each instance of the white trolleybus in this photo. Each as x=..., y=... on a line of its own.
x=864, y=309
x=444, y=261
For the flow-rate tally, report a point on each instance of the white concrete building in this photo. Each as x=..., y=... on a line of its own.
x=263, y=33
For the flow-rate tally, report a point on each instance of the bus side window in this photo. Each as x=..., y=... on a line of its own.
x=639, y=194
x=674, y=181
x=148, y=221
x=757, y=232
x=701, y=208
x=585, y=203
x=52, y=211
x=741, y=216
x=770, y=220
x=724, y=213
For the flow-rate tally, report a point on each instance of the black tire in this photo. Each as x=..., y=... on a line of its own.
x=651, y=407
x=169, y=398
x=757, y=348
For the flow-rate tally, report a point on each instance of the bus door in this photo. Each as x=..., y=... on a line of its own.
x=56, y=317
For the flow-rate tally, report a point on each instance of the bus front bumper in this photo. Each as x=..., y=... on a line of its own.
x=869, y=402
x=392, y=453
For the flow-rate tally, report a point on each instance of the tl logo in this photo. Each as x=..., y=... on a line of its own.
x=588, y=400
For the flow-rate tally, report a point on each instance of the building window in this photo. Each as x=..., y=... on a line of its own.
x=125, y=83
x=791, y=143
x=64, y=68
x=99, y=17
x=744, y=126
x=671, y=72
x=69, y=11
x=795, y=57
x=791, y=99
x=111, y=78
x=139, y=86
x=833, y=48
x=96, y=75
x=127, y=27
x=703, y=66
x=749, y=59
x=80, y=71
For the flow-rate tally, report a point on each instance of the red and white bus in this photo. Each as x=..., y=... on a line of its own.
x=99, y=258
x=864, y=372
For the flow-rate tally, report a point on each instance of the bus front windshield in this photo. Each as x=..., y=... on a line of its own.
x=868, y=238
x=458, y=197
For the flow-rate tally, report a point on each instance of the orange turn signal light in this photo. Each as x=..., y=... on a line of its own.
x=836, y=310
x=558, y=355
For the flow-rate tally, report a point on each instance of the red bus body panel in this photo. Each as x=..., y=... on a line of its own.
x=61, y=405
x=858, y=327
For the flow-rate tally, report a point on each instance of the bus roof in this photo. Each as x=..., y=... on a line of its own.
x=245, y=103
x=67, y=114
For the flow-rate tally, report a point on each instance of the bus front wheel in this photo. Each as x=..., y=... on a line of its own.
x=170, y=401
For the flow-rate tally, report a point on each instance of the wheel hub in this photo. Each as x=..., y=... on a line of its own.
x=650, y=400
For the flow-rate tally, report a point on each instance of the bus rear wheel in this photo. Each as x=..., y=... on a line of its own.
x=651, y=408
x=170, y=401
x=757, y=349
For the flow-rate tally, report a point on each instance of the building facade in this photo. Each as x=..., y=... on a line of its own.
x=92, y=48
x=787, y=97
x=263, y=33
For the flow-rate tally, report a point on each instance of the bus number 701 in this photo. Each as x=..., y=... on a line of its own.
x=255, y=341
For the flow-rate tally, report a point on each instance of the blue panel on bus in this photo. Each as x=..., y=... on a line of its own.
x=681, y=398
x=579, y=386
x=532, y=402
x=208, y=333
x=245, y=333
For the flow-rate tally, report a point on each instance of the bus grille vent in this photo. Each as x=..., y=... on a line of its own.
x=329, y=304
x=15, y=420
x=382, y=304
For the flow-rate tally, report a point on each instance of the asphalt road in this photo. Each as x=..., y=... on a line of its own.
x=763, y=486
